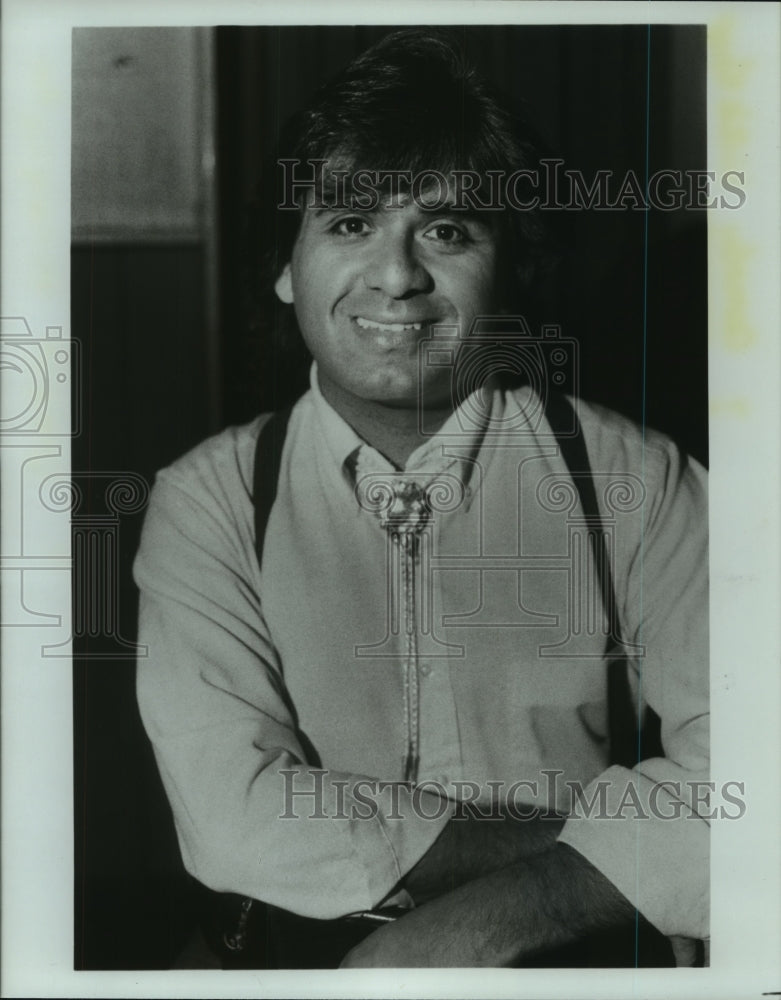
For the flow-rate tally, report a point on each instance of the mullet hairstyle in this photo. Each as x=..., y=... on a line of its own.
x=414, y=103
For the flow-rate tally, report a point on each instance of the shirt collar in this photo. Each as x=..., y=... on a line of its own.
x=339, y=436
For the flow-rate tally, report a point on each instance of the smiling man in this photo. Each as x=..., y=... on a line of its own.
x=383, y=635
x=369, y=288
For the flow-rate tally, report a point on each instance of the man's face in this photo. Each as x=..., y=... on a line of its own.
x=369, y=286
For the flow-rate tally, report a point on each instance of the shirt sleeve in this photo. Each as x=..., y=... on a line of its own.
x=252, y=816
x=647, y=828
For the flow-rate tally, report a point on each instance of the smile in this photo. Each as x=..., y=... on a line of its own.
x=370, y=324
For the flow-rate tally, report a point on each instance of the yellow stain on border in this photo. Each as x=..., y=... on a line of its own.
x=732, y=271
x=733, y=119
x=731, y=71
x=733, y=407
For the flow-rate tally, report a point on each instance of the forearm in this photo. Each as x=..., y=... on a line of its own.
x=472, y=845
x=502, y=919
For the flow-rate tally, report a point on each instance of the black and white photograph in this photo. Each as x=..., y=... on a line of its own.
x=375, y=505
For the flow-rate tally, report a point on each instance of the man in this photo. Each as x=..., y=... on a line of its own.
x=405, y=700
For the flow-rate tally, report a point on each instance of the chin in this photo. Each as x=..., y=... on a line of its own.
x=411, y=398
x=396, y=398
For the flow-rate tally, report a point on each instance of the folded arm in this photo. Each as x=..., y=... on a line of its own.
x=638, y=842
x=225, y=736
x=472, y=845
x=253, y=814
x=502, y=919
x=649, y=833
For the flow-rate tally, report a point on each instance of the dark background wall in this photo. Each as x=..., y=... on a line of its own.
x=163, y=367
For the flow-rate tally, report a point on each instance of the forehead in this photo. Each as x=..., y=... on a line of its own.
x=427, y=187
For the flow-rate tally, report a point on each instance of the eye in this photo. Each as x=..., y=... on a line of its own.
x=447, y=232
x=351, y=225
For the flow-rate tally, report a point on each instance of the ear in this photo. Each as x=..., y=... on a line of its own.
x=283, y=286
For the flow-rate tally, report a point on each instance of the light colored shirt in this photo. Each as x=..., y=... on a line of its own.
x=255, y=674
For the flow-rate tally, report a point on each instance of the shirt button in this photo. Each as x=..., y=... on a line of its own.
x=425, y=668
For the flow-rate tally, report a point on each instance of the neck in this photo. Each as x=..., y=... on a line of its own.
x=393, y=431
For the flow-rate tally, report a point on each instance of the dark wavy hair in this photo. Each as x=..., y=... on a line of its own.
x=411, y=102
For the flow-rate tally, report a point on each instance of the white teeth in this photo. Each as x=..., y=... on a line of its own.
x=368, y=324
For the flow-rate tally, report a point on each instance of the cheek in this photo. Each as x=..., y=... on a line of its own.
x=309, y=289
x=476, y=289
x=319, y=278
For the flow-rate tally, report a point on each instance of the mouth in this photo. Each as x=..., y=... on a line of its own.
x=371, y=324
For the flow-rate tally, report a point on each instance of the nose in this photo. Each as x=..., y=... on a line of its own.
x=394, y=267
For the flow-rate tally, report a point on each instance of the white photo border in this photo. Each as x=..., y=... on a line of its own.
x=744, y=98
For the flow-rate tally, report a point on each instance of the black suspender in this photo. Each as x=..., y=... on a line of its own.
x=622, y=717
x=265, y=476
